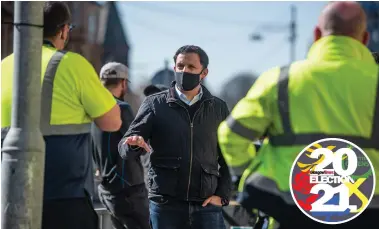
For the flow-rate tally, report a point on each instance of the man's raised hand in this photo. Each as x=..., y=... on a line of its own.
x=138, y=141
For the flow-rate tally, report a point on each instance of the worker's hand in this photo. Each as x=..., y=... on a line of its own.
x=137, y=141
x=215, y=200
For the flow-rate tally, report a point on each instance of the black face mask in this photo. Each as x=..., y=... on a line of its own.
x=187, y=81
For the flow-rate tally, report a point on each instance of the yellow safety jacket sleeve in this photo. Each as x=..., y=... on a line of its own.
x=249, y=121
x=96, y=99
x=6, y=90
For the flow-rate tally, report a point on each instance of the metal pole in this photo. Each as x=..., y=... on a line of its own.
x=293, y=35
x=23, y=153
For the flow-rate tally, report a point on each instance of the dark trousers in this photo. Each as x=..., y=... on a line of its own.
x=129, y=209
x=290, y=216
x=75, y=213
x=173, y=214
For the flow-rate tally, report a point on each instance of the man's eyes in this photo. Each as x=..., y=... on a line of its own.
x=188, y=67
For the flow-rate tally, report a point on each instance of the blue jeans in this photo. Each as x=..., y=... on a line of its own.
x=173, y=214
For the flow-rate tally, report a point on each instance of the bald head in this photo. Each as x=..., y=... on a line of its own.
x=343, y=19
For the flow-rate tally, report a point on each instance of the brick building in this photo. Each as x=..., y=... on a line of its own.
x=98, y=35
x=6, y=30
x=98, y=32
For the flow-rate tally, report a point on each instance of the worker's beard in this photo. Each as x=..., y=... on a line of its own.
x=122, y=96
x=123, y=93
x=66, y=41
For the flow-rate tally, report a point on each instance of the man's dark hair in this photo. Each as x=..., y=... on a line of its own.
x=55, y=16
x=193, y=49
x=376, y=56
x=112, y=82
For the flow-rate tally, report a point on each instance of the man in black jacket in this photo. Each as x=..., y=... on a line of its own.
x=189, y=181
x=122, y=190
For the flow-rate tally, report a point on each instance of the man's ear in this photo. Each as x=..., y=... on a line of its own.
x=317, y=34
x=64, y=32
x=366, y=38
x=60, y=34
x=204, y=73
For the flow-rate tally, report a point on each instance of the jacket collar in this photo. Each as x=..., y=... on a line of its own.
x=339, y=48
x=48, y=43
x=119, y=99
x=173, y=97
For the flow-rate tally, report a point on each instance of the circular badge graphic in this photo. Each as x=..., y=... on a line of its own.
x=332, y=181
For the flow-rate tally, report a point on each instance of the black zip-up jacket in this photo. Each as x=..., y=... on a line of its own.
x=186, y=161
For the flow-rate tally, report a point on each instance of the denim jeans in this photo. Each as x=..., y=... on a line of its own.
x=174, y=214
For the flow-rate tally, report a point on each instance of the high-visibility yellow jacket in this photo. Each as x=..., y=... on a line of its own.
x=72, y=95
x=333, y=93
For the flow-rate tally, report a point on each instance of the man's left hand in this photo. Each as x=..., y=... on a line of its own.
x=215, y=200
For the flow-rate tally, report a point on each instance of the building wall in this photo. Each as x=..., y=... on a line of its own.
x=98, y=28
x=83, y=39
x=116, y=47
x=6, y=30
x=85, y=17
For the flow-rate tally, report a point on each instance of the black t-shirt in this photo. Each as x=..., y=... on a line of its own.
x=116, y=173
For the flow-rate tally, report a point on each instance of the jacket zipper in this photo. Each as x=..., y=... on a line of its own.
x=191, y=156
x=191, y=138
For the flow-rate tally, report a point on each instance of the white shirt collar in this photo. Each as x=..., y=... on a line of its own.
x=184, y=98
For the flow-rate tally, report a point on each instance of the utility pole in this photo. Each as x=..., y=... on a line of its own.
x=23, y=152
x=291, y=28
x=293, y=35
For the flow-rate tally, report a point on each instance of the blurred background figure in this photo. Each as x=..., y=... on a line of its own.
x=145, y=158
x=236, y=88
x=152, y=89
x=122, y=189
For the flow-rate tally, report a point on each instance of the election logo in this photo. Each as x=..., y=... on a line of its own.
x=332, y=181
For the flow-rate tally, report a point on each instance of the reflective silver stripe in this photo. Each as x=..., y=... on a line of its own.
x=283, y=103
x=306, y=139
x=239, y=170
x=67, y=129
x=288, y=138
x=46, y=103
x=265, y=184
x=239, y=129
